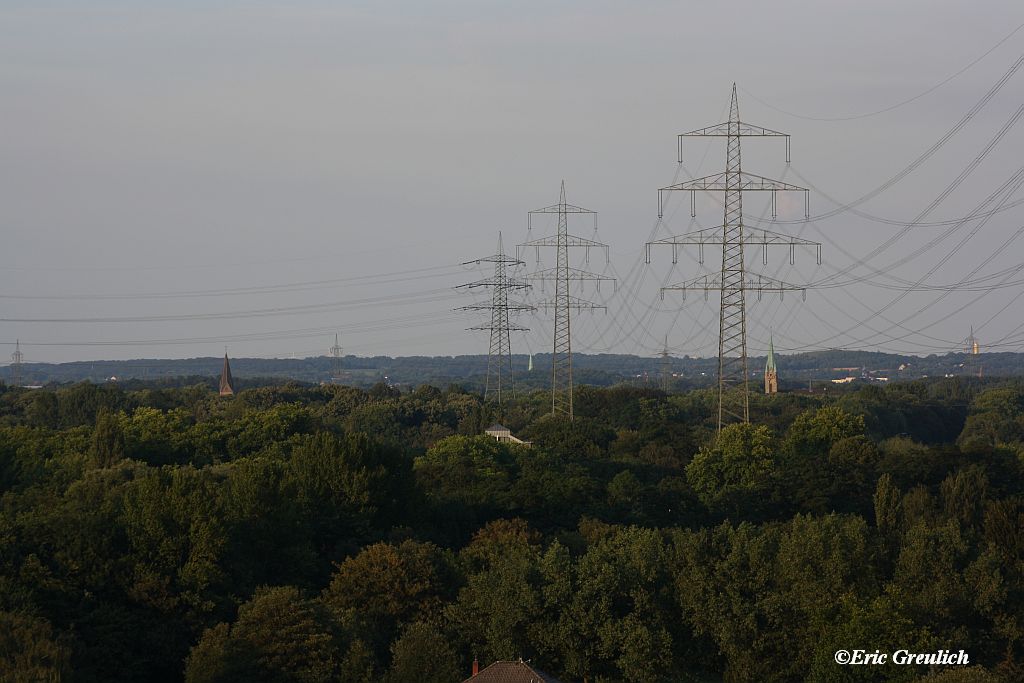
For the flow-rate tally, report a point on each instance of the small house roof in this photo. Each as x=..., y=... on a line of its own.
x=511, y=672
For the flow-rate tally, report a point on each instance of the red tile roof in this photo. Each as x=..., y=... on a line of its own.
x=511, y=672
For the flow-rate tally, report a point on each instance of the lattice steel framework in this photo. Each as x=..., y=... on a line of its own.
x=733, y=282
x=563, y=302
x=499, y=353
x=972, y=357
x=16, y=359
x=336, y=361
x=665, y=368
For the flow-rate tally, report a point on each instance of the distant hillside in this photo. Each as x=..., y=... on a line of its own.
x=469, y=371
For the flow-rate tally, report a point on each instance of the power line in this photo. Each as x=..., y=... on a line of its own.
x=902, y=103
x=427, y=296
x=380, y=278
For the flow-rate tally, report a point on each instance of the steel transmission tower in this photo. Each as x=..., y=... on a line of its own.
x=336, y=360
x=972, y=362
x=665, y=367
x=734, y=281
x=563, y=302
x=16, y=359
x=499, y=353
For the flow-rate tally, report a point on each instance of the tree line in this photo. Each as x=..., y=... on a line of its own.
x=332, y=533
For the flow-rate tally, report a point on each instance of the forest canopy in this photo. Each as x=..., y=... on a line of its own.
x=333, y=533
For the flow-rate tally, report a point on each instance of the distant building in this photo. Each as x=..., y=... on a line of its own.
x=227, y=384
x=771, y=374
x=509, y=672
x=503, y=434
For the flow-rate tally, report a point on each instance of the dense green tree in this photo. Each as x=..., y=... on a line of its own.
x=739, y=584
x=391, y=585
x=422, y=654
x=30, y=651
x=43, y=410
x=805, y=468
x=278, y=636
x=107, y=440
x=996, y=417
x=738, y=471
x=871, y=625
x=496, y=606
x=474, y=471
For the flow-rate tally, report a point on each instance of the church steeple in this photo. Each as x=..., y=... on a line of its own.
x=771, y=374
x=227, y=384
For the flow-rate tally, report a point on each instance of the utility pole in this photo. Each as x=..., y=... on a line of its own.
x=733, y=281
x=499, y=353
x=563, y=302
x=336, y=361
x=16, y=359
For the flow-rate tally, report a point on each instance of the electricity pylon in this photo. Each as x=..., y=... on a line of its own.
x=972, y=361
x=734, y=281
x=336, y=361
x=665, y=367
x=499, y=354
x=971, y=346
x=16, y=359
x=563, y=302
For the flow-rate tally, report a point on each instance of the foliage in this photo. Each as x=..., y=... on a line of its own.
x=331, y=533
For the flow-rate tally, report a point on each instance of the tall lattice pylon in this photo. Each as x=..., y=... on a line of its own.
x=563, y=302
x=16, y=359
x=499, y=355
x=336, y=361
x=972, y=358
x=665, y=368
x=734, y=281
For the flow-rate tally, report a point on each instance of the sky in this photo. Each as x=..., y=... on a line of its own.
x=181, y=177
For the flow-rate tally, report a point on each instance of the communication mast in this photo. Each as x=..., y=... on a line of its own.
x=733, y=281
x=499, y=353
x=563, y=302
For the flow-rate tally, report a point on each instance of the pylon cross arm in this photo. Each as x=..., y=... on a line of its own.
x=570, y=274
x=489, y=306
x=713, y=236
x=497, y=258
x=713, y=283
x=571, y=302
x=506, y=283
x=748, y=182
x=569, y=241
x=510, y=328
x=562, y=208
x=722, y=130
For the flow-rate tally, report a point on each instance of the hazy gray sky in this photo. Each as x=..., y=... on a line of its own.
x=265, y=173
